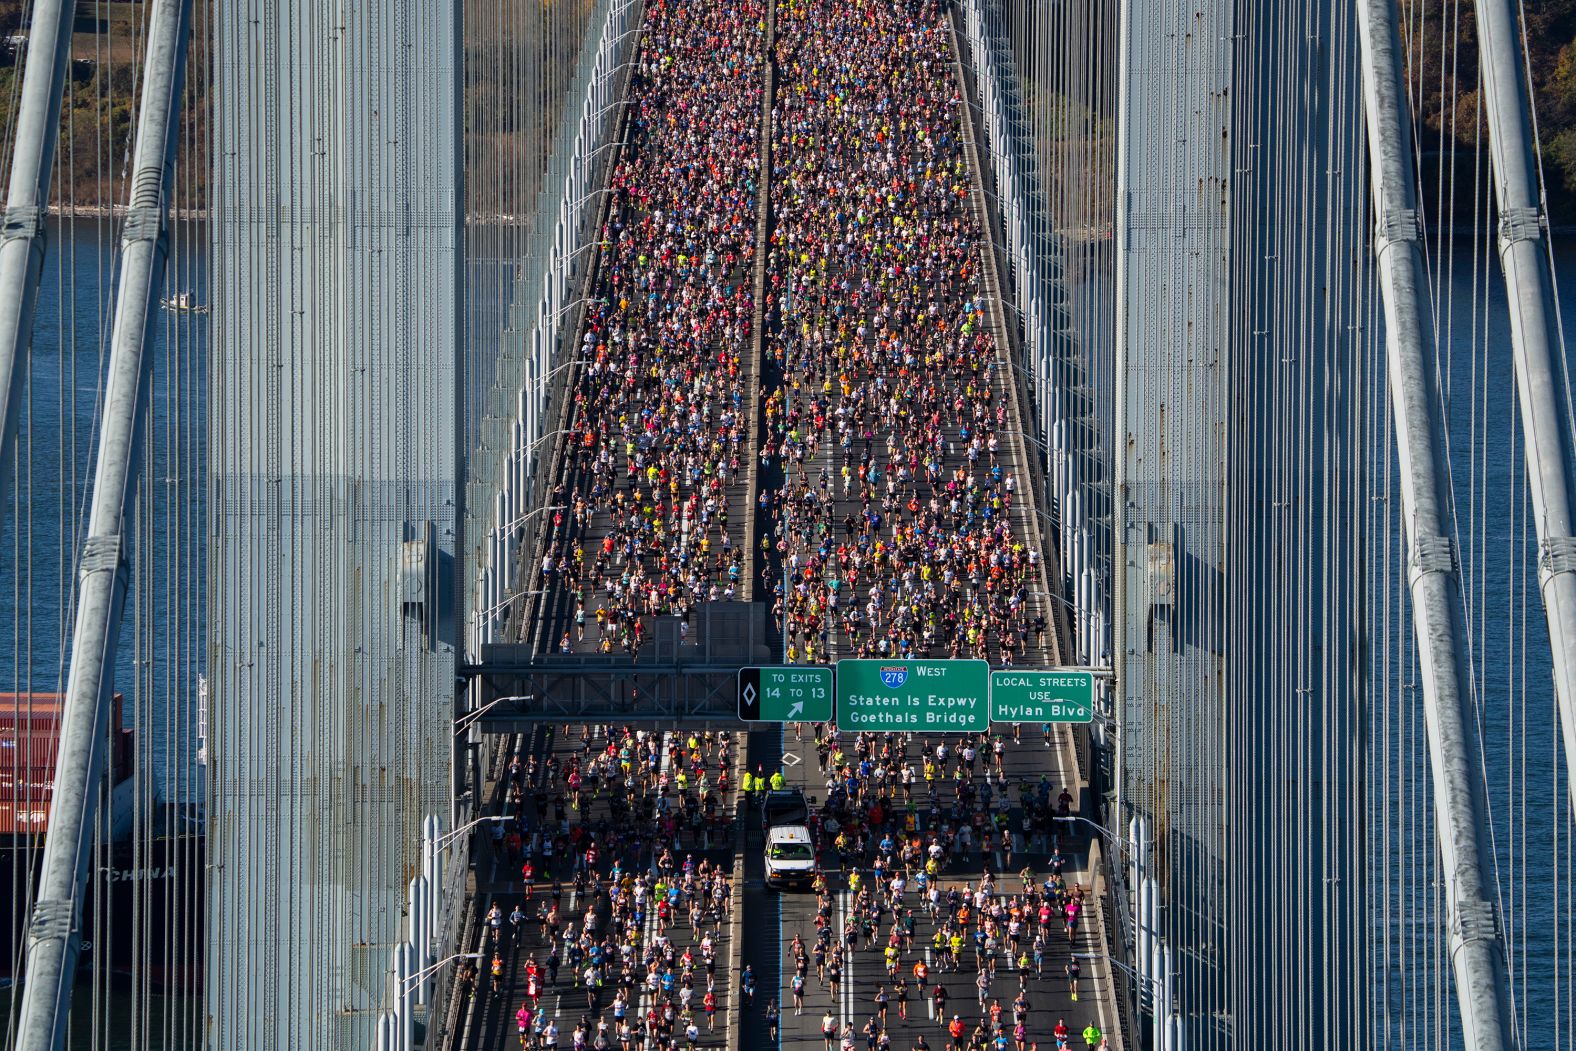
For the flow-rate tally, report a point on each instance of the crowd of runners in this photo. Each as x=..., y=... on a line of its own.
x=889, y=419
x=617, y=929
x=641, y=524
x=901, y=816
x=885, y=423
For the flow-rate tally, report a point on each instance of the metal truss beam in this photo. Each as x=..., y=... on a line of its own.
x=514, y=695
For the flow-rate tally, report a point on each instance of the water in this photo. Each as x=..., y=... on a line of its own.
x=161, y=644
x=1524, y=757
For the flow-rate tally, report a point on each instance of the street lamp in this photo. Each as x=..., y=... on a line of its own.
x=419, y=975
x=530, y=446
x=444, y=841
x=518, y=522
x=589, y=244
x=1148, y=981
x=1105, y=832
x=575, y=302
x=594, y=193
x=471, y=716
x=1031, y=437
x=605, y=145
x=508, y=601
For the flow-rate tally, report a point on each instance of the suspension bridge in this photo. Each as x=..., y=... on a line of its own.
x=428, y=429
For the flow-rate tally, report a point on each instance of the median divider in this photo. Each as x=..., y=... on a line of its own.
x=733, y=1016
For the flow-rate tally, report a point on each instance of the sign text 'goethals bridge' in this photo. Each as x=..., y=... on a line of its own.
x=951, y=696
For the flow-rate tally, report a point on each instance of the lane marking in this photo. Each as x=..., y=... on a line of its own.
x=845, y=900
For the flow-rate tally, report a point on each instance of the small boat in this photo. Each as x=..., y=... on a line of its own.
x=183, y=303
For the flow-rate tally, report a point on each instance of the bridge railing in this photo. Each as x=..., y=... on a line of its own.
x=505, y=480
x=1050, y=357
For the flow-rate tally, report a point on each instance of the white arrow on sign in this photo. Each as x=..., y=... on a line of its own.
x=795, y=709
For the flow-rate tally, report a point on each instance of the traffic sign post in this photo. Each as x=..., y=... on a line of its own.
x=787, y=693
x=1041, y=695
x=928, y=696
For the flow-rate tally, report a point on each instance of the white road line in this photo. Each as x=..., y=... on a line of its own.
x=1099, y=999
x=847, y=984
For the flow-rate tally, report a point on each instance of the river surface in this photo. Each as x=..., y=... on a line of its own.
x=162, y=651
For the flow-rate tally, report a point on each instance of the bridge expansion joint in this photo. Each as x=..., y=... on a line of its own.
x=1431, y=554
x=1556, y=555
x=1520, y=224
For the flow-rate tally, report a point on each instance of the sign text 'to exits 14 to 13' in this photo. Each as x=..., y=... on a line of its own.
x=945, y=696
x=785, y=694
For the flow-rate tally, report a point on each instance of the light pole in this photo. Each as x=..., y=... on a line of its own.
x=518, y=522
x=530, y=447
x=589, y=244
x=582, y=200
x=605, y=145
x=419, y=975
x=1104, y=832
x=1031, y=437
x=1167, y=1023
x=446, y=840
x=553, y=317
x=510, y=600
x=471, y=716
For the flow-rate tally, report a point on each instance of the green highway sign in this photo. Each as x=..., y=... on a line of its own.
x=785, y=694
x=927, y=696
x=1041, y=695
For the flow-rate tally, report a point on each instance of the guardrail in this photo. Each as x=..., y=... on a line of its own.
x=524, y=396
x=1010, y=343
x=1049, y=355
x=758, y=340
x=732, y=1016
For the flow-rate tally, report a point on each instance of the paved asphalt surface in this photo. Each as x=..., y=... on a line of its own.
x=771, y=919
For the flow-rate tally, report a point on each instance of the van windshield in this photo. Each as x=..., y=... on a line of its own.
x=791, y=852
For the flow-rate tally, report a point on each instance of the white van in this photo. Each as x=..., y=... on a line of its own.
x=790, y=857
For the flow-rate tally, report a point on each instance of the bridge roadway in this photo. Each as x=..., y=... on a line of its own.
x=487, y=1015
x=772, y=918
x=651, y=500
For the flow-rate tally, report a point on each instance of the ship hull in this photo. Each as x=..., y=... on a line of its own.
x=145, y=918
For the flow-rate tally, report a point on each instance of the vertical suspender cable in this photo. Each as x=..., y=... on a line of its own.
x=22, y=236
x=1475, y=944
x=1540, y=378
x=54, y=932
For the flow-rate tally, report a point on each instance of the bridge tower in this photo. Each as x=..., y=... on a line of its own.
x=337, y=251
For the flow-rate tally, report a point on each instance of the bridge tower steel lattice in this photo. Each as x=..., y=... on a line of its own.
x=336, y=505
